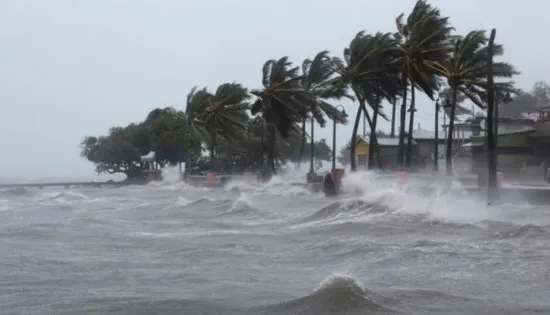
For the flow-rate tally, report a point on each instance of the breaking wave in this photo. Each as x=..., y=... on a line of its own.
x=337, y=295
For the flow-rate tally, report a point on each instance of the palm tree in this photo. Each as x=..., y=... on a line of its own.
x=281, y=101
x=422, y=37
x=317, y=79
x=370, y=73
x=465, y=71
x=220, y=114
x=393, y=108
x=303, y=141
x=443, y=102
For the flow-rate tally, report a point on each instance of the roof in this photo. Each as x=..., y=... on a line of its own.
x=430, y=135
x=510, y=130
x=427, y=134
x=504, y=130
x=386, y=141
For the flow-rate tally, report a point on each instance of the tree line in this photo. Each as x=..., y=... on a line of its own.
x=171, y=135
x=422, y=55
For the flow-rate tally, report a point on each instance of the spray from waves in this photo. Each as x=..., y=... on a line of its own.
x=338, y=294
x=243, y=205
x=370, y=197
x=441, y=204
x=246, y=212
x=288, y=183
x=277, y=186
x=171, y=180
x=347, y=207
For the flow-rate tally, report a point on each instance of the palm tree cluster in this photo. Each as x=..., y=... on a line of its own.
x=422, y=55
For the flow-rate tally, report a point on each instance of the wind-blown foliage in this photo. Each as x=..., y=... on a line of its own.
x=318, y=79
x=222, y=113
x=282, y=102
x=466, y=71
x=422, y=55
x=369, y=70
x=445, y=96
x=422, y=38
x=165, y=131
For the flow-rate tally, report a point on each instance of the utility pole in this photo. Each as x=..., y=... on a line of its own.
x=364, y=126
x=436, y=136
x=491, y=143
x=312, y=147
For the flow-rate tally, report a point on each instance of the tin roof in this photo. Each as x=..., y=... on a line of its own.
x=387, y=141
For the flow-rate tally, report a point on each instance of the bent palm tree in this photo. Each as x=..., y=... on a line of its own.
x=222, y=113
x=368, y=69
x=465, y=71
x=317, y=79
x=281, y=102
x=422, y=37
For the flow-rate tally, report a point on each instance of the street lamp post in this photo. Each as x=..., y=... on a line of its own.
x=343, y=115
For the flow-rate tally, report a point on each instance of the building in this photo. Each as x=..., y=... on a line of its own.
x=389, y=150
x=514, y=150
x=426, y=142
x=522, y=144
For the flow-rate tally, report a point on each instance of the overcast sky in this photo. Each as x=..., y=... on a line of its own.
x=71, y=68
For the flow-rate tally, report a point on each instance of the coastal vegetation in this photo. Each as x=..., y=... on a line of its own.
x=262, y=128
x=174, y=138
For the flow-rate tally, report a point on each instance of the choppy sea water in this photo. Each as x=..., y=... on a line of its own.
x=269, y=249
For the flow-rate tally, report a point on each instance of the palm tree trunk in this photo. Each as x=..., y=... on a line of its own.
x=262, y=153
x=247, y=159
x=272, y=151
x=354, y=140
x=373, y=135
x=303, y=144
x=372, y=146
x=372, y=138
x=394, y=106
x=411, y=126
x=449, y=144
x=402, y=127
x=213, y=152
